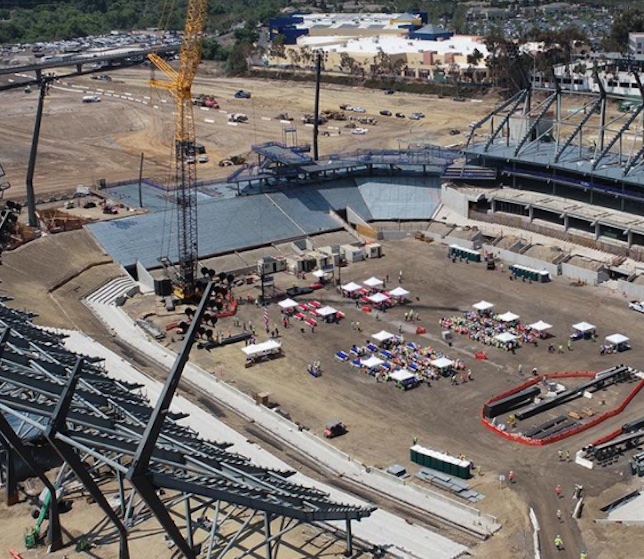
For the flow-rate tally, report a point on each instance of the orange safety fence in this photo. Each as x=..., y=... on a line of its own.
x=518, y=437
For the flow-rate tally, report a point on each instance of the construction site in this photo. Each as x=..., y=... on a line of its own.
x=231, y=325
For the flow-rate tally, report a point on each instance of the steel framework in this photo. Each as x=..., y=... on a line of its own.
x=206, y=498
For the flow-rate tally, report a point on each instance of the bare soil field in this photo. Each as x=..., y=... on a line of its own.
x=81, y=143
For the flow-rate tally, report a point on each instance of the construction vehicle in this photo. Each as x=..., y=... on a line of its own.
x=232, y=160
x=334, y=429
x=283, y=116
x=310, y=119
x=237, y=117
x=205, y=101
x=32, y=537
x=179, y=84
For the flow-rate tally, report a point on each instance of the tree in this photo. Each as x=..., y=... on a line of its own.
x=631, y=20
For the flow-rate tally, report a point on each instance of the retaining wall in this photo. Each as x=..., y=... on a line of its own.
x=522, y=260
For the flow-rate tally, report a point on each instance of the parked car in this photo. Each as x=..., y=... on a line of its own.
x=359, y=110
x=637, y=306
x=385, y=113
x=241, y=94
x=359, y=131
x=454, y=132
x=400, y=115
x=203, y=159
x=414, y=116
x=389, y=92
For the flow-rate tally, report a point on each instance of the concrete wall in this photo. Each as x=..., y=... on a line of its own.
x=465, y=243
x=395, y=235
x=633, y=291
x=523, y=260
x=454, y=199
x=144, y=276
x=591, y=277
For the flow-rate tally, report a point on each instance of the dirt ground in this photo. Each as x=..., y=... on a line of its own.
x=81, y=143
x=51, y=275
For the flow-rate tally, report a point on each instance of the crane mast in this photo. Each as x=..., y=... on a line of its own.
x=179, y=83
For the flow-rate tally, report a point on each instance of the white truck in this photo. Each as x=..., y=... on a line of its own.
x=91, y=99
x=637, y=306
x=237, y=117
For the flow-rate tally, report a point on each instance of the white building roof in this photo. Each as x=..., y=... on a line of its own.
x=355, y=20
x=389, y=44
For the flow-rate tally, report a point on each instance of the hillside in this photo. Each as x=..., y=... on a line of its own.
x=41, y=20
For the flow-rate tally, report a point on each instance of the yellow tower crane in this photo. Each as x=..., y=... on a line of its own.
x=179, y=83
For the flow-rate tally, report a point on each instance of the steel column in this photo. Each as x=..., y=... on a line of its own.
x=54, y=533
x=267, y=532
x=349, y=551
x=11, y=481
x=31, y=166
x=68, y=454
x=137, y=474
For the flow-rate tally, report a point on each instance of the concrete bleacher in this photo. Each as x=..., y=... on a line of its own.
x=401, y=197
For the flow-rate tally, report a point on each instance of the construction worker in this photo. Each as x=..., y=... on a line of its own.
x=415, y=440
x=569, y=344
x=583, y=555
x=479, y=470
x=560, y=454
x=567, y=456
x=558, y=490
x=559, y=543
x=511, y=477
x=559, y=515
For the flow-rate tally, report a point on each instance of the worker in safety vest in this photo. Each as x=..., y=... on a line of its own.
x=559, y=543
x=583, y=555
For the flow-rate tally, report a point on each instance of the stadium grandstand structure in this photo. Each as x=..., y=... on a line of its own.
x=583, y=147
x=286, y=196
x=53, y=399
x=279, y=161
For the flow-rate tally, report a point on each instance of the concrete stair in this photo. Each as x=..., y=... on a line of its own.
x=113, y=292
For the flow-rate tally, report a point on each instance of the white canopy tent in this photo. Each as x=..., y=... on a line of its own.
x=584, y=327
x=399, y=292
x=288, y=304
x=616, y=339
x=373, y=282
x=483, y=306
x=383, y=335
x=441, y=363
x=326, y=311
x=540, y=326
x=378, y=298
x=508, y=317
x=505, y=337
x=351, y=287
x=401, y=375
x=371, y=362
x=319, y=273
x=265, y=348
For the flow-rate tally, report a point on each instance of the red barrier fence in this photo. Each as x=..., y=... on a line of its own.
x=518, y=437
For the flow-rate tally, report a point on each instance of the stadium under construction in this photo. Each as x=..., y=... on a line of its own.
x=590, y=156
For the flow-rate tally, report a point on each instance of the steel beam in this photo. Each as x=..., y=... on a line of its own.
x=54, y=533
x=495, y=112
x=68, y=454
x=617, y=136
x=520, y=98
x=137, y=474
x=547, y=104
x=577, y=129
